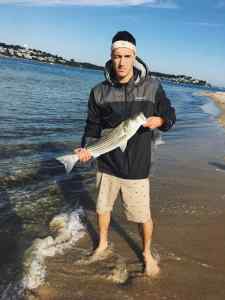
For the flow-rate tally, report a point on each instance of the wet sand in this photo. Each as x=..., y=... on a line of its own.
x=188, y=208
x=189, y=238
x=219, y=99
x=182, y=277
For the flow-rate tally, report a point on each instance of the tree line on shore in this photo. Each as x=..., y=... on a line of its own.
x=45, y=57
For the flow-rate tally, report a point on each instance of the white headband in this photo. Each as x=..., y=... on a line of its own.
x=123, y=44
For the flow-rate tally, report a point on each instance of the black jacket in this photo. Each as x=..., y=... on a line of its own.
x=111, y=103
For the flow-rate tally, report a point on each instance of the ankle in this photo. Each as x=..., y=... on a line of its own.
x=147, y=255
x=102, y=245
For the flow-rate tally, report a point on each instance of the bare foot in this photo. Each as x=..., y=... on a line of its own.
x=100, y=253
x=151, y=266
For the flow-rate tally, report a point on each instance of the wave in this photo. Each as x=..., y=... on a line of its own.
x=35, y=132
x=12, y=150
x=45, y=170
x=67, y=229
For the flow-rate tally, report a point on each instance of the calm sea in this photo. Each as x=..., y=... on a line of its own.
x=42, y=115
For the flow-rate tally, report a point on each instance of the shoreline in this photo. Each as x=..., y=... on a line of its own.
x=172, y=78
x=186, y=219
x=219, y=100
x=187, y=205
x=181, y=241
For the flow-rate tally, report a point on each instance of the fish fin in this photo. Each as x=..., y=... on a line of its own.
x=69, y=161
x=123, y=147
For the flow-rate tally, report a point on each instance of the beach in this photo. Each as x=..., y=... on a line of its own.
x=219, y=99
x=48, y=223
x=189, y=246
x=188, y=208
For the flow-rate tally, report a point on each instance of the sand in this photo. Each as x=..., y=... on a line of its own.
x=189, y=243
x=219, y=99
x=118, y=277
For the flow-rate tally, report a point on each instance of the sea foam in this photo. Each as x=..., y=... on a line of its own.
x=66, y=229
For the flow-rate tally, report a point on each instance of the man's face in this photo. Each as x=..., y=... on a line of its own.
x=123, y=61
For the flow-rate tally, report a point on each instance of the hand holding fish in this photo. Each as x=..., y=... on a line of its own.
x=154, y=122
x=116, y=138
x=83, y=154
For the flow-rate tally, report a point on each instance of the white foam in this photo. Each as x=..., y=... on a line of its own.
x=68, y=229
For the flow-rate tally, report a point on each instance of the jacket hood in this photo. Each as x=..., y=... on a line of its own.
x=141, y=71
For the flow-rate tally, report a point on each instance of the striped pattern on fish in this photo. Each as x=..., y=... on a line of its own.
x=117, y=137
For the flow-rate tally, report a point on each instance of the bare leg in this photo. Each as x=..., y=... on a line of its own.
x=102, y=251
x=151, y=266
x=103, y=227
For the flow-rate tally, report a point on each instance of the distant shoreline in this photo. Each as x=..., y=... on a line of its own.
x=174, y=79
x=219, y=99
x=16, y=51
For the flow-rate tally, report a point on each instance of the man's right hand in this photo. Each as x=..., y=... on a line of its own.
x=83, y=153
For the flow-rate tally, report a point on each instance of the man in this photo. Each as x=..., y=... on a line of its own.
x=127, y=90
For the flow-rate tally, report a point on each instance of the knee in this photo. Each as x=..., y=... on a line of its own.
x=148, y=220
x=149, y=223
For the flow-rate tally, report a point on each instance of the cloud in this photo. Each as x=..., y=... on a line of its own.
x=150, y=3
x=220, y=4
x=205, y=24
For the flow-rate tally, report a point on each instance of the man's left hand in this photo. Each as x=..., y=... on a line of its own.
x=154, y=122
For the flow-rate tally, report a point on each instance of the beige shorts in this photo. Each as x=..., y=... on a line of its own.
x=135, y=196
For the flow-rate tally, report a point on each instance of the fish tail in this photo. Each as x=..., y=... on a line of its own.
x=69, y=161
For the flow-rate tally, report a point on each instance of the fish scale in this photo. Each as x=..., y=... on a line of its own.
x=118, y=137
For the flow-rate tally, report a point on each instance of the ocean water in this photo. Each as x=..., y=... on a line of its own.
x=42, y=115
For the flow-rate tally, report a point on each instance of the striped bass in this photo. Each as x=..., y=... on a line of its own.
x=117, y=137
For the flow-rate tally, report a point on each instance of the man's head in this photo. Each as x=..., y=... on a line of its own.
x=123, y=53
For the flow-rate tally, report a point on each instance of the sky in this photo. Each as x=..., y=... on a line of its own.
x=173, y=36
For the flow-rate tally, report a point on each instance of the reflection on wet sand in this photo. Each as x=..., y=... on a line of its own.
x=190, y=248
